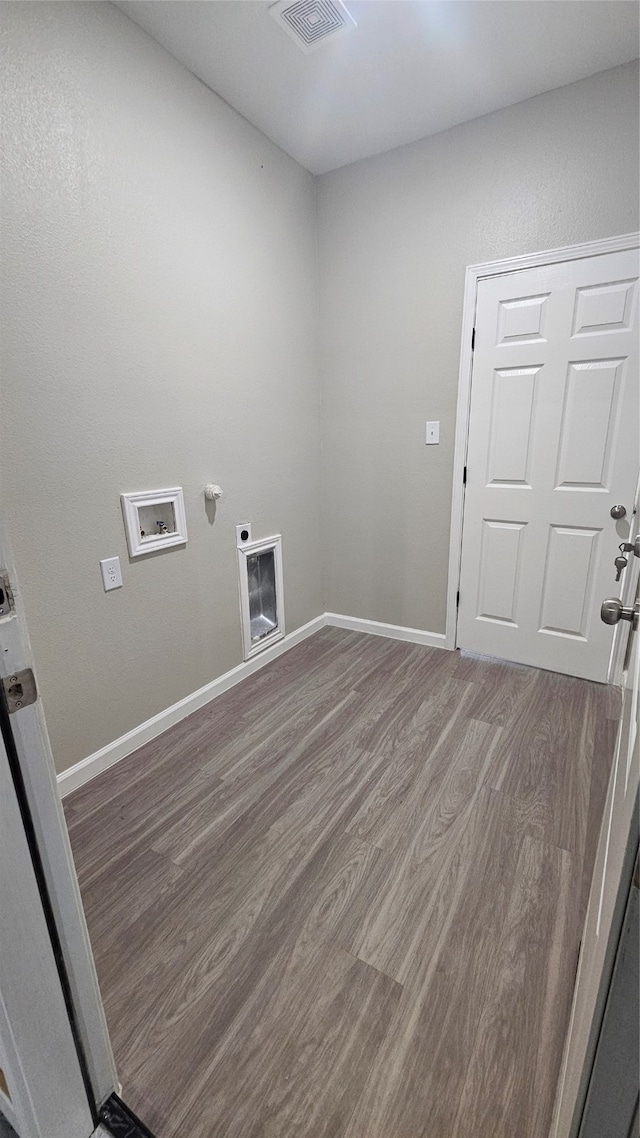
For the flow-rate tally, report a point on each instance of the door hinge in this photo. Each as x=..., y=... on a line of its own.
x=473, y=339
x=19, y=689
x=458, y=599
x=7, y=603
x=464, y=477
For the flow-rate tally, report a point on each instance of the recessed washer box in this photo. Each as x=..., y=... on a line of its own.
x=154, y=520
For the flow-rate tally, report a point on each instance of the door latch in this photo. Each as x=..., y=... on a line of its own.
x=19, y=689
x=7, y=605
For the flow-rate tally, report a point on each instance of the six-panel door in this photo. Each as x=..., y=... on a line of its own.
x=553, y=444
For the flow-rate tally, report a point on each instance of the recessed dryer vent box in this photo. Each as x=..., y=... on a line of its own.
x=261, y=594
x=154, y=520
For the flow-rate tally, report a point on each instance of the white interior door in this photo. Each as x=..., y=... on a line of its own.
x=45, y=1095
x=31, y=741
x=554, y=443
x=604, y=912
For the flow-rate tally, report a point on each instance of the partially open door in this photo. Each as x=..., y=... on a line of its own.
x=617, y=850
x=43, y=1089
x=26, y=752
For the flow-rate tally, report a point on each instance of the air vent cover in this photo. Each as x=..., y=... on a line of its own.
x=311, y=23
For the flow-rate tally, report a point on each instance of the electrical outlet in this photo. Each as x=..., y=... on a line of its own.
x=111, y=574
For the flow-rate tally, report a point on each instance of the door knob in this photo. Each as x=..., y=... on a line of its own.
x=618, y=512
x=612, y=611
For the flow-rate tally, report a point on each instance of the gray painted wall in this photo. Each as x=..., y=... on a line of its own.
x=158, y=329
x=396, y=233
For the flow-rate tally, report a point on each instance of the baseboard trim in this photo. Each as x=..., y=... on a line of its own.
x=101, y=760
x=392, y=631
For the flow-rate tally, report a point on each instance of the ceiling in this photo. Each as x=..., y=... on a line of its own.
x=411, y=67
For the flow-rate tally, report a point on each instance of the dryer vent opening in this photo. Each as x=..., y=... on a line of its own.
x=263, y=611
x=261, y=602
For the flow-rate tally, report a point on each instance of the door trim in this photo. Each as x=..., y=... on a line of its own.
x=473, y=275
x=28, y=729
x=15, y=773
x=41, y=1060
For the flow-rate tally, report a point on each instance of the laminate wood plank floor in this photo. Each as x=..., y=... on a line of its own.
x=345, y=899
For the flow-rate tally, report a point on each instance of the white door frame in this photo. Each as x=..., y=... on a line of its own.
x=47, y=1093
x=474, y=274
x=612, y=874
x=41, y=789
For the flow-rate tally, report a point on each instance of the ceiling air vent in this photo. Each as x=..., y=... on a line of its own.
x=311, y=23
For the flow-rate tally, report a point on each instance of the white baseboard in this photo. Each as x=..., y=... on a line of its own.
x=101, y=760
x=392, y=631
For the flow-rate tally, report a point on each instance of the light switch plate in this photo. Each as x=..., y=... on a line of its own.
x=111, y=573
x=433, y=433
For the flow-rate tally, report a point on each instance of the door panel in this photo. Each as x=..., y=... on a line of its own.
x=554, y=439
x=511, y=427
x=499, y=571
x=522, y=320
x=567, y=586
x=607, y=896
x=586, y=445
x=608, y=308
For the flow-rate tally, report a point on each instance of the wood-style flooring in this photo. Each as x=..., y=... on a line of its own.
x=345, y=899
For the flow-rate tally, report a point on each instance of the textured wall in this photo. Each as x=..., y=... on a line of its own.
x=158, y=329
x=396, y=233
